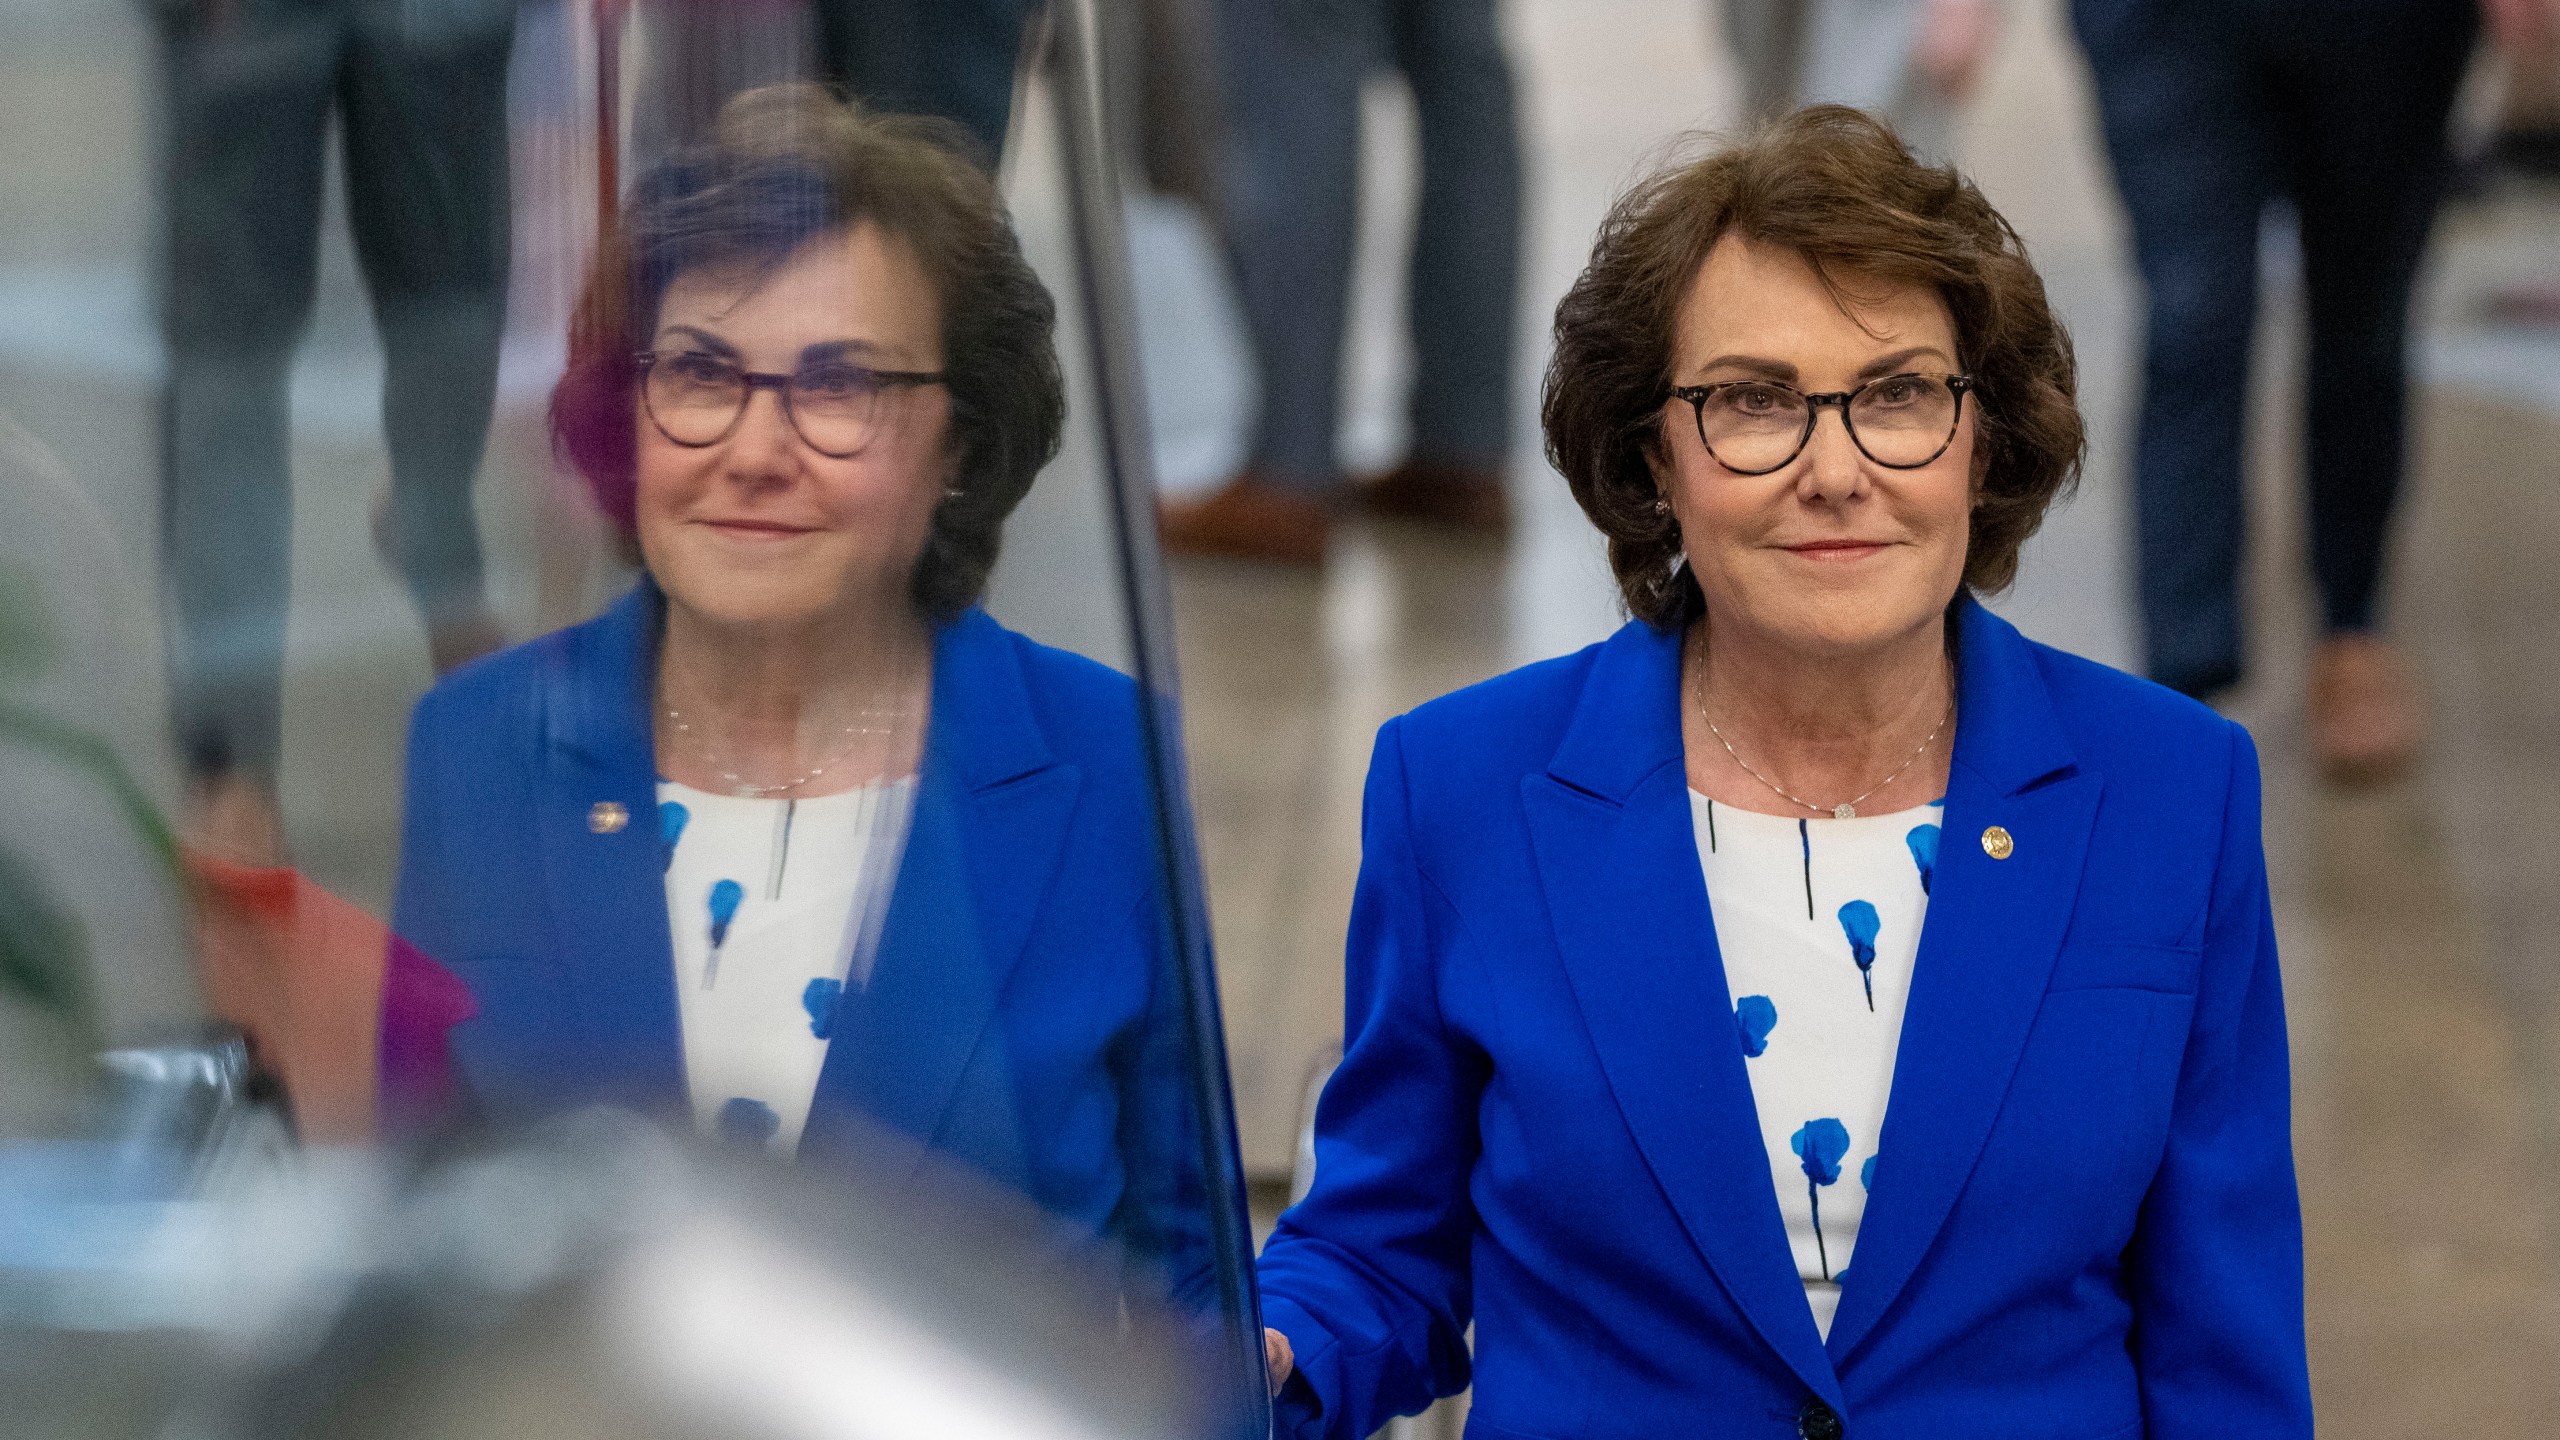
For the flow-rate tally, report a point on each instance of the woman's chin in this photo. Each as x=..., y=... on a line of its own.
x=764, y=602
x=1847, y=626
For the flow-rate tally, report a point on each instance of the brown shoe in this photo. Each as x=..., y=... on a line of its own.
x=1454, y=497
x=2365, y=721
x=1248, y=518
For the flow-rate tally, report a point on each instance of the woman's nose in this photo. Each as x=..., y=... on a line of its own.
x=764, y=445
x=1832, y=469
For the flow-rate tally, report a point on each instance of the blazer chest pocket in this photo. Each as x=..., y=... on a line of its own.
x=2088, y=1108
x=2107, y=965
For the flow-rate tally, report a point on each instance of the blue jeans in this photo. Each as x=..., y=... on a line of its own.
x=952, y=58
x=1293, y=71
x=1794, y=53
x=2211, y=108
x=419, y=90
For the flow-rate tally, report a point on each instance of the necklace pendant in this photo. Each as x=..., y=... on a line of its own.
x=1844, y=812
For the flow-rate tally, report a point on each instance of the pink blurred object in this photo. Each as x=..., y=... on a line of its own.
x=421, y=1003
x=349, y=1017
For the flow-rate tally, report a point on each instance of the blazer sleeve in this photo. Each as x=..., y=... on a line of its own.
x=1368, y=1276
x=2215, y=1269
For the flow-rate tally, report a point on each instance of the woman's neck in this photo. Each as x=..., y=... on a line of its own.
x=763, y=704
x=1825, y=727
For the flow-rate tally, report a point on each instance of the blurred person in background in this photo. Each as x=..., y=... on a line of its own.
x=955, y=59
x=952, y=58
x=1909, y=63
x=2525, y=143
x=699, y=53
x=2211, y=111
x=795, y=836
x=2525, y=137
x=1293, y=72
x=1816, y=1009
x=1166, y=52
x=417, y=89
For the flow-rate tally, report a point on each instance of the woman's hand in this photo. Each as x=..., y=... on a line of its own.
x=1277, y=1359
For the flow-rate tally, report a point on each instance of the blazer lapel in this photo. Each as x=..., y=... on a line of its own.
x=1611, y=829
x=992, y=811
x=1987, y=951
x=603, y=855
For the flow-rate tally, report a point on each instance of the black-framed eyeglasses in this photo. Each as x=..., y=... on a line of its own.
x=1754, y=427
x=696, y=398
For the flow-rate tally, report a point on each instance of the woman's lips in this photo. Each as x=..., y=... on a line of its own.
x=756, y=529
x=1836, y=549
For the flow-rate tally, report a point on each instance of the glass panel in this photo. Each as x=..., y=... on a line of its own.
x=656, y=895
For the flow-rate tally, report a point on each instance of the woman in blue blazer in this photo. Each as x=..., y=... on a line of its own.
x=1654, y=1072
x=795, y=841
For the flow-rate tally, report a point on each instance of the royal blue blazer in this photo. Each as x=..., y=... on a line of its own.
x=1022, y=1016
x=2084, y=1223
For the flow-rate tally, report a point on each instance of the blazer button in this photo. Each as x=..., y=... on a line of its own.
x=1997, y=844
x=1817, y=1421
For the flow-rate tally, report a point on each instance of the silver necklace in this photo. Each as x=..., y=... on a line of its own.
x=759, y=790
x=1846, y=809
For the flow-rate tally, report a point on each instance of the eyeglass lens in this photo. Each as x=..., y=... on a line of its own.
x=696, y=399
x=1900, y=421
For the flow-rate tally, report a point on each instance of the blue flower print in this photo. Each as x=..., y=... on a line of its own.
x=671, y=818
x=1755, y=1016
x=819, y=999
x=1820, y=1145
x=725, y=897
x=747, y=1122
x=1923, y=841
x=1867, y=1178
x=1858, y=921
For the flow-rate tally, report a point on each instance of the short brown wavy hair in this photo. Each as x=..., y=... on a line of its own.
x=787, y=164
x=1837, y=188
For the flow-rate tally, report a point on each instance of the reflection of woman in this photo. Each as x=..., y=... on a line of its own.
x=1653, y=1071
x=811, y=377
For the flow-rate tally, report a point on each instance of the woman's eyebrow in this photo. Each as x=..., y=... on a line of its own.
x=1770, y=369
x=1785, y=373
x=844, y=349
x=703, y=338
x=1888, y=364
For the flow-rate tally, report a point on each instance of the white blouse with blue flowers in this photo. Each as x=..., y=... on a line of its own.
x=774, y=908
x=1818, y=921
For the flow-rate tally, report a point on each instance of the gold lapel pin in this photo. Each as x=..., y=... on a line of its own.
x=1997, y=844
x=607, y=817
